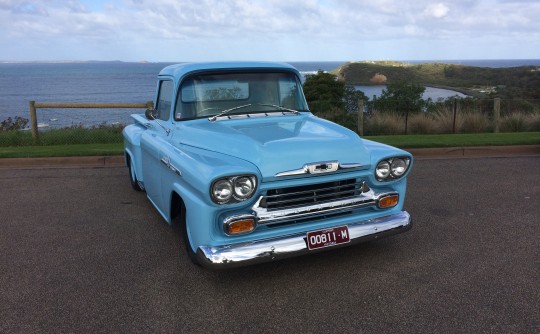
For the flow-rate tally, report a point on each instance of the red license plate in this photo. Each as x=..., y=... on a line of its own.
x=326, y=238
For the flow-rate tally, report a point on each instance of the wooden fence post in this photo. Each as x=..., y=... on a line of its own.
x=33, y=122
x=496, y=113
x=406, y=120
x=455, y=112
x=360, y=118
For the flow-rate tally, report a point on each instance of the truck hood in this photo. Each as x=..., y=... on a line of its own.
x=276, y=144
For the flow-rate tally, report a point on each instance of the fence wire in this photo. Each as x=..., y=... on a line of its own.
x=59, y=126
x=446, y=117
x=69, y=123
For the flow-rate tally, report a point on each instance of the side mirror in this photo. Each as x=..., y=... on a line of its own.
x=150, y=114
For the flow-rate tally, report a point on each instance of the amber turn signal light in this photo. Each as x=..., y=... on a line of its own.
x=388, y=201
x=241, y=226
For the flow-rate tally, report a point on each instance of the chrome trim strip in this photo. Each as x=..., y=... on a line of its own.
x=237, y=255
x=303, y=170
x=351, y=165
x=266, y=217
x=367, y=199
x=251, y=115
x=167, y=162
x=319, y=168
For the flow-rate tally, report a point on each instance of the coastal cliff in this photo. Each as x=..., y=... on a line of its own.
x=518, y=82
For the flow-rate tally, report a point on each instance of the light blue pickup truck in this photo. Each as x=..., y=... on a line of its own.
x=232, y=153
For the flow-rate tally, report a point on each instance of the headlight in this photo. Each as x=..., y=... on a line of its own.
x=398, y=167
x=392, y=168
x=222, y=191
x=243, y=187
x=383, y=170
x=233, y=189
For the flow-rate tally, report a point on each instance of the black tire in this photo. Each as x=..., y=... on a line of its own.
x=180, y=222
x=133, y=177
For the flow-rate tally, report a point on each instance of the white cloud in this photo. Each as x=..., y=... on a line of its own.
x=259, y=29
x=438, y=10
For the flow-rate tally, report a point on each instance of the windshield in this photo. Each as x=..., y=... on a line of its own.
x=206, y=95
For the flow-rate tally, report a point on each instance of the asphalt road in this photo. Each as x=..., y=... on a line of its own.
x=81, y=252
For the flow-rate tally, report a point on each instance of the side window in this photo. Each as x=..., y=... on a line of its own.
x=164, y=100
x=288, y=91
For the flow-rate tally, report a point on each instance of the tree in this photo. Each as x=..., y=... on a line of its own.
x=401, y=97
x=351, y=98
x=331, y=99
x=324, y=91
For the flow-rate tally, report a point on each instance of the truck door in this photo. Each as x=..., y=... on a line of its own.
x=154, y=141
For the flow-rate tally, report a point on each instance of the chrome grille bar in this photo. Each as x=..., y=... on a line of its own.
x=277, y=199
x=295, y=204
x=313, y=198
x=265, y=216
x=299, y=193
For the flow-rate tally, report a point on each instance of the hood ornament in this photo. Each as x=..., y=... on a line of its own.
x=319, y=168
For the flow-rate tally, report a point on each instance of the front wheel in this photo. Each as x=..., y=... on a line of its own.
x=180, y=222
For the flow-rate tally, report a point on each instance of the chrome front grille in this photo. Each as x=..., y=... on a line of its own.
x=285, y=198
x=314, y=201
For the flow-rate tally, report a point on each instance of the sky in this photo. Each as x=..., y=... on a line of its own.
x=290, y=30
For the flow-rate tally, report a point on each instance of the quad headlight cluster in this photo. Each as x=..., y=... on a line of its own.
x=392, y=168
x=233, y=189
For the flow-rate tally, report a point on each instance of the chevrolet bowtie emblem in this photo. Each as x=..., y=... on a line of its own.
x=325, y=167
x=319, y=168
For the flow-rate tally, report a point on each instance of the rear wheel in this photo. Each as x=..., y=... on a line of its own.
x=132, y=176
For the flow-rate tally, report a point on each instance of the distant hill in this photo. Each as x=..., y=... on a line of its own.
x=519, y=82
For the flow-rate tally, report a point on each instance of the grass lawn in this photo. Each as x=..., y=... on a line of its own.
x=401, y=141
x=62, y=150
x=459, y=140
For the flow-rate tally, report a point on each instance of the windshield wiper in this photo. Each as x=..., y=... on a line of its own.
x=213, y=118
x=278, y=107
x=226, y=111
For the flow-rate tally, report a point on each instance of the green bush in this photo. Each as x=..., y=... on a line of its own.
x=100, y=134
x=15, y=138
x=10, y=124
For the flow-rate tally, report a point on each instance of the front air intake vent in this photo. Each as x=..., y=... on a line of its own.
x=285, y=198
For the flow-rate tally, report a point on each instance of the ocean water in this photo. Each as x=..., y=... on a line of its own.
x=119, y=82
x=430, y=93
x=112, y=82
x=75, y=82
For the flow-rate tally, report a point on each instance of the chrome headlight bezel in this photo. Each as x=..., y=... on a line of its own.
x=391, y=169
x=241, y=188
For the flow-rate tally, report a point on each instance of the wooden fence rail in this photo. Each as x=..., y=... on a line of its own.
x=67, y=105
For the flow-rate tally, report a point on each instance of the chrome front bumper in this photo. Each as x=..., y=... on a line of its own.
x=237, y=255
